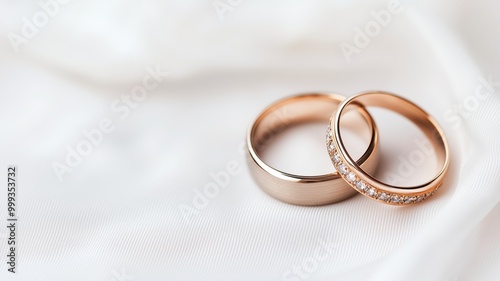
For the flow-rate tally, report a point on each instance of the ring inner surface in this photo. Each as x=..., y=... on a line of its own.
x=416, y=115
x=305, y=109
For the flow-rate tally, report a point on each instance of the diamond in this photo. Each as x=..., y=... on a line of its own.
x=371, y=191
x=336, y=158
x=331, y=147
x=395, y=199
x=351, y=177
x=420, y=198
x=410, y=200
x=361, y=185
x=329, y=134
x=383, y=196
x=342, y=169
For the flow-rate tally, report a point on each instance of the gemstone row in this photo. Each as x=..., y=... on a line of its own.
x=363, y=187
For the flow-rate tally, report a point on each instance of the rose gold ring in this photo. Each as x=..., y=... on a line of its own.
x=299, y=189
x=359, y=178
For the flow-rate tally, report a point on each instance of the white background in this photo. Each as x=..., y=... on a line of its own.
x=117, y=215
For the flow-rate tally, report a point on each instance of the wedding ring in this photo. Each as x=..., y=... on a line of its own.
x=300, y=189
x=361, y=179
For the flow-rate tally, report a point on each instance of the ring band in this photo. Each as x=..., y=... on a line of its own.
x=298, y=189
x=360, y=179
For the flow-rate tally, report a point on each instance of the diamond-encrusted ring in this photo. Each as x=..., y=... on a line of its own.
x=300, y=189
x=360, y=179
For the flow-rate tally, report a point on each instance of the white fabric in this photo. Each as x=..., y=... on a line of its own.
x=117, y=216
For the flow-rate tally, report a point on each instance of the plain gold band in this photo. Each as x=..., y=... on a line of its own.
x=299, y=189
x=361, y=179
